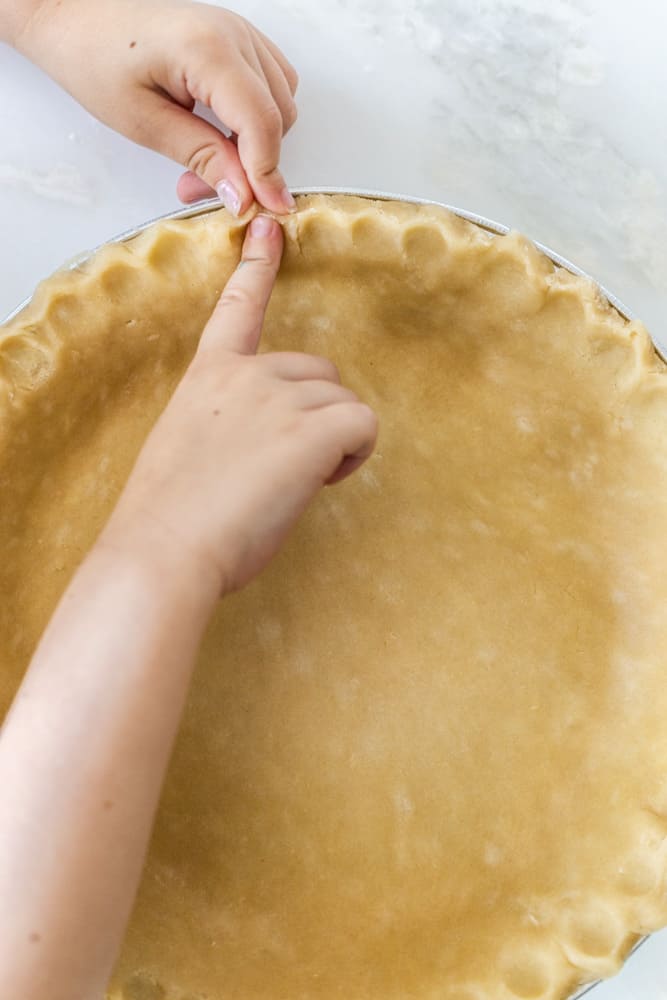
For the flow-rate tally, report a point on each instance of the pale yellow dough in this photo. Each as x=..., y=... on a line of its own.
x=425, y=753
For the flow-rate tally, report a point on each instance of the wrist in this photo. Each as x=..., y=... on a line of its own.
x=161, y=558
x=16, y=20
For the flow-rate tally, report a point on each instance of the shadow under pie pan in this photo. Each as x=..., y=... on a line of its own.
x=423, y=754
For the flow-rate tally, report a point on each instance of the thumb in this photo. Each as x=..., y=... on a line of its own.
x=203, y=150
x=236, y=323
x=191, y=188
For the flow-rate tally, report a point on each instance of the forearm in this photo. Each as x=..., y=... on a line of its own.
x=82, y=758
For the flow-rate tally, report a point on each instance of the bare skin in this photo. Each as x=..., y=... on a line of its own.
x=242, y=448
x=140, y=65
x=244, y=445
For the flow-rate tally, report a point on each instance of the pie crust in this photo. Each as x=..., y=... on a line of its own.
x=425, y=753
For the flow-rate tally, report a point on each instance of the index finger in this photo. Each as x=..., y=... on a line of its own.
x=257, y=121
x=236, y=323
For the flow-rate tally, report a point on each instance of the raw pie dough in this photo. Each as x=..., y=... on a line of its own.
x=425, y=753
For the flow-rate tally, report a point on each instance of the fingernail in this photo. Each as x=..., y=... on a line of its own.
x=229, y=197
x=261, y=226
x=287, y=200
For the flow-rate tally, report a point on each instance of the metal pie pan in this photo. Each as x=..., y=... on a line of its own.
x=212, y=205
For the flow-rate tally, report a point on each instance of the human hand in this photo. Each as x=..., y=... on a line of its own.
x=246, y=441
x=140, y=65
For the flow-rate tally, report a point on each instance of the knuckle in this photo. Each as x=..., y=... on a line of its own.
x=244, y=28
x=267, y=360
x=328, y=367
x=289, y=73
x=236, y=296
x=270, y=119
x=272, y=361
x=366, y=412
x=291, y=115
x=201, y=46
x=263, y=166
x=292, y=78
x=201, y=158
x=198, y=44
x=369, y=419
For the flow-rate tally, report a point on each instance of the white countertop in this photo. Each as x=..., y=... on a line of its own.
x=548, y=116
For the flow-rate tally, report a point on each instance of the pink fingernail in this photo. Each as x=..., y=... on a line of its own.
x=229, y=197
x=287, y=200
x=261, y=226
